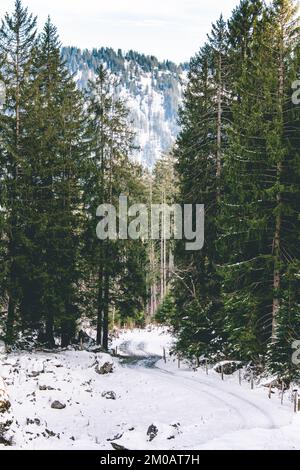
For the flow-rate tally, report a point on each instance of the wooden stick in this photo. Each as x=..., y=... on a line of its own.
x=252, y=381
x=222, y=372
x=296, y=401
x=270, y=391
x=164, y=355
x=206, y=366
x=240, y=377
x=282, y=392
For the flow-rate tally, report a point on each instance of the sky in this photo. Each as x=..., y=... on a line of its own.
x=168, y=29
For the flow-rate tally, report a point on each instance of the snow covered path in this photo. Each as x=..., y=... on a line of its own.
x=189, y=409
x=227, y=415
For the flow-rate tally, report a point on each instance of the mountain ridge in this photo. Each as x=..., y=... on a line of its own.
x=152, y=89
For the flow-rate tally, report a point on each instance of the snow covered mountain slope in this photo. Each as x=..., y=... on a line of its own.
x=152, y=89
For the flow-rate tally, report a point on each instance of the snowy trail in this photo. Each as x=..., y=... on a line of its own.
x=189, y=409
x=250, y=414
x=216, y=393
x=241, y=410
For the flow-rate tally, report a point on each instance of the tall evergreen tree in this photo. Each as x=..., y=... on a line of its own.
x=53, y=151
x=285, y=154
x=200, y=151
x=245, y=238
x=17, y=40
x=250, y=260
x=259, y=212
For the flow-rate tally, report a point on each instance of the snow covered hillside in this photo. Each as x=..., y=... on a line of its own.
x=65, y=400
x=152, y=90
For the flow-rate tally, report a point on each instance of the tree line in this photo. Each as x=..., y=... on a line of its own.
x=62, y=154
x=239, y=154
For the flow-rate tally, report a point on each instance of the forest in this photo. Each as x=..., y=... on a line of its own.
x=239, y=154
x=65, y=151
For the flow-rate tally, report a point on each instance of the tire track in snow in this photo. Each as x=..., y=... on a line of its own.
x=249, y=414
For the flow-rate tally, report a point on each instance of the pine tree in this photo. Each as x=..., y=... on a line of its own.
x=237, y=154
x=17, y=40
x=3, y=204
x=285, y=155
x=200, y=149
x=259, y=212
x=53, y=151
x=246, y=175
x=286, y=43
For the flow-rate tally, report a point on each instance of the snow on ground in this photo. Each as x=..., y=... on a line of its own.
x=187, y=408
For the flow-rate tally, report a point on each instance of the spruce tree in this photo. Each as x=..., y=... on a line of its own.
x=284, y=151
x=200, y=150
x=259, y=212
x=53, y=150
x=244, y=238
x=17, y=40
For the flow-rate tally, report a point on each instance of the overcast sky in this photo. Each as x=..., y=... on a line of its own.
x=169, y=29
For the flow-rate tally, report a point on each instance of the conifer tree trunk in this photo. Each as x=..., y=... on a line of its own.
x=152, y=256
x=13, y=219
x=100, y=296
x=17, y=36
x=100, y=304
x=219, y=122
x=10, y=318
x=106, y=312
x=165, y=252
x=153, y=282
x=277, y=235
x=50, y=329
x=162, y=260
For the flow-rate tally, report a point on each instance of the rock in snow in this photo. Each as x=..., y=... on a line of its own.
x=4, y=428
x=45, y=387
x=57, y=405
x=117, y=446
x=152, y=432
x=35, y=369
x=107, y=368
x=4, y=401
x=109, y=395
x=228, y=367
